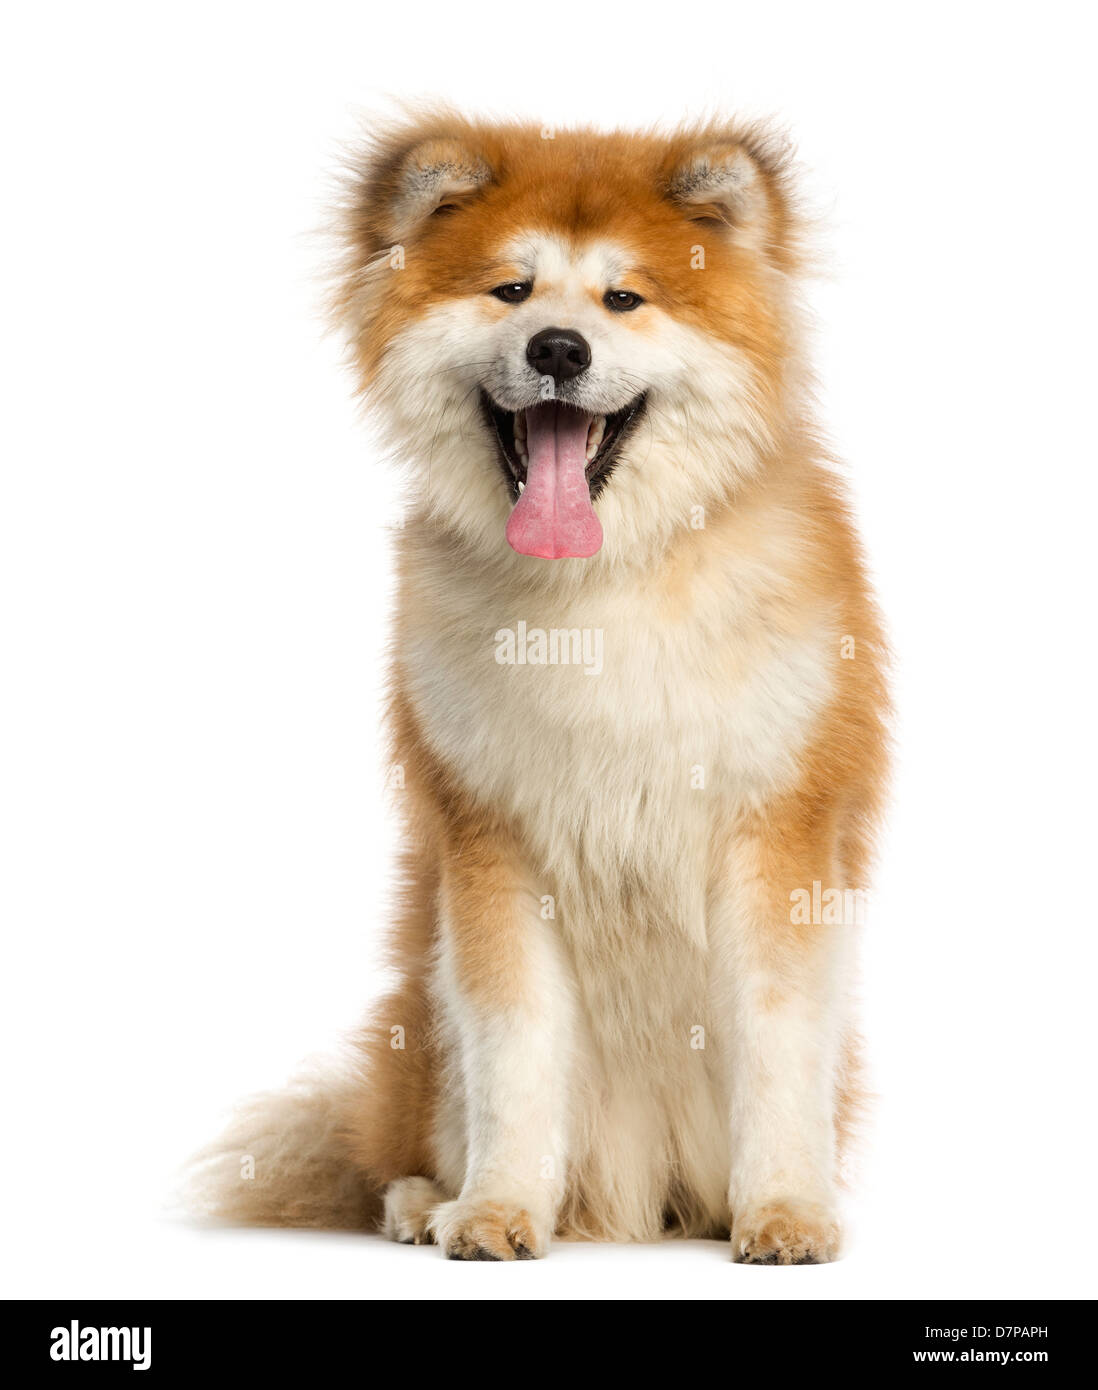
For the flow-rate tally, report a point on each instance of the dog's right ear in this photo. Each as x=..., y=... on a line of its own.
x=413, y=183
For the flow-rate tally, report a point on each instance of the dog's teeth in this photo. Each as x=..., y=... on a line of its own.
x=520, y=447
x=594, y=436
x=522, y=487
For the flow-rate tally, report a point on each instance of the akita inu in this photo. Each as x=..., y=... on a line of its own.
x=615, y=1017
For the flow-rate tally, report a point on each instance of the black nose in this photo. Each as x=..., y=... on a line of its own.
x=559, y=353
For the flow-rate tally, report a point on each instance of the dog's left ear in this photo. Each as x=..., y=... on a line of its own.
x=720, y=185
x=738, y=185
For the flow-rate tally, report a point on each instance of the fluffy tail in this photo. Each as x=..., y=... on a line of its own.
x=285, y=1160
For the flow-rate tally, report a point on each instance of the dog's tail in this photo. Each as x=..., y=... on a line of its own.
x=286, y=1160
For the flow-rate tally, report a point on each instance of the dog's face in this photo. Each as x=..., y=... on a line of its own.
x=578, y=342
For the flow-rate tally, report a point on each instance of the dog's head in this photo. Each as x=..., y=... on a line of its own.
x=579, y=342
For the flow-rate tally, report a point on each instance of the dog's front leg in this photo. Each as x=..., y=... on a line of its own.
x=507, y=995
x=781, y=985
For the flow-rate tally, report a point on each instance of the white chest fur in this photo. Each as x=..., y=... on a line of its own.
x=613, y=724
x=673, y=708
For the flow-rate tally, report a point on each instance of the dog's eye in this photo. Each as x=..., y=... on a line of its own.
x=514, y=293
x=621, y=301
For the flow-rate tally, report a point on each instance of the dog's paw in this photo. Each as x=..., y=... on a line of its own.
x=483, y=1230
x=785, y=1233
x=408, y=1205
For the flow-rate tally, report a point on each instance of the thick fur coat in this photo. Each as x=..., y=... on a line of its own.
x=639, y=739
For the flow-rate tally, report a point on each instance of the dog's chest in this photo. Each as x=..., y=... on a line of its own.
x=614, y=731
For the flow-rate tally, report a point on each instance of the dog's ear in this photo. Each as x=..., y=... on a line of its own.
x=721, y=184
x=737, y=184
x=432, y=178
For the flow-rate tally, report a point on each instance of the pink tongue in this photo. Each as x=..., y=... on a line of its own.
x=553, y=516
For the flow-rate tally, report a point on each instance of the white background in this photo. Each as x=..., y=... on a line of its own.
x=194, y=588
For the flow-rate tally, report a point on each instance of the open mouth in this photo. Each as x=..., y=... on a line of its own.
x=605, y=436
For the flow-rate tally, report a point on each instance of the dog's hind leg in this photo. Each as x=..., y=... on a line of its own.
x=408, y=1205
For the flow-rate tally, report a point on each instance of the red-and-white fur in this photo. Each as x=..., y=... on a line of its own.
x=613, y=1018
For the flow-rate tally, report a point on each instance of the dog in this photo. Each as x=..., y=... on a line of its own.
x=639, y=712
